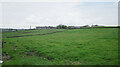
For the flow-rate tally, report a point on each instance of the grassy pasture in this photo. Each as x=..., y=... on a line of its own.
x=71, y=47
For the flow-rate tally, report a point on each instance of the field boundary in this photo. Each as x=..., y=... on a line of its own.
x=34, y=35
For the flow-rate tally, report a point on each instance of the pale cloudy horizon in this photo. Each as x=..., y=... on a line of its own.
x=26, y=14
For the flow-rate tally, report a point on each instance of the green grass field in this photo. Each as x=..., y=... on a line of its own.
x=70, y=47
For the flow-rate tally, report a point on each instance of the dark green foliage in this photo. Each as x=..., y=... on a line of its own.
x=61, y=27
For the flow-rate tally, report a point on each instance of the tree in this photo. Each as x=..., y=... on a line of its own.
x=61, y=26
x=86, y=26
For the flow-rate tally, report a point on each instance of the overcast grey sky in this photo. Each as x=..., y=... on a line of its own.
x=26, y=14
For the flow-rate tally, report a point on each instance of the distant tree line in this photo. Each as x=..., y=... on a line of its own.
x=71, y=27
x=84, y=27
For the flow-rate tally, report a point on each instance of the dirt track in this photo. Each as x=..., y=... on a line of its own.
x=33, y=35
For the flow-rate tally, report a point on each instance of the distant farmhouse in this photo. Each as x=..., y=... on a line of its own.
x=8, y=30
x=45, y=27
x=74, y=27
x=78, y=27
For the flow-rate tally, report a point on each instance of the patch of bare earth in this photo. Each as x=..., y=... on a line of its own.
x=6, y=57
x=32, y=53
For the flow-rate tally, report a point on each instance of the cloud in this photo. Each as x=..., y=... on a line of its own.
x=33, y=18
x=52, y=13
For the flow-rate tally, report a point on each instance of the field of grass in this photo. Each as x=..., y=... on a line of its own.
x=70, y=47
